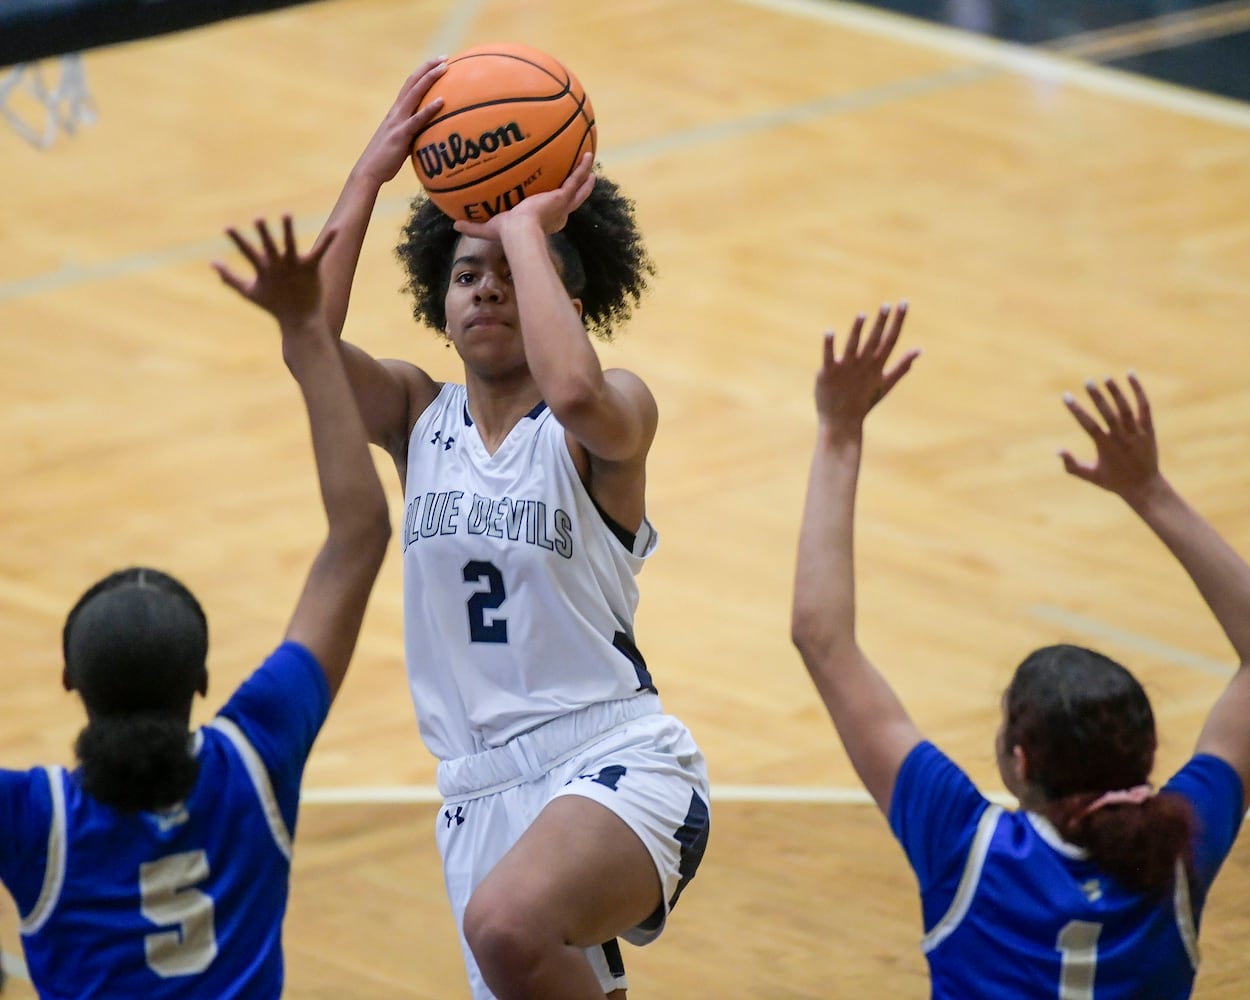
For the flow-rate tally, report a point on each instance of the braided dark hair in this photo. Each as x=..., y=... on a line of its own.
x=603, y=260
x=135, y=646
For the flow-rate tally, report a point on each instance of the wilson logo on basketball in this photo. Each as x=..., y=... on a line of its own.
x=457, y=151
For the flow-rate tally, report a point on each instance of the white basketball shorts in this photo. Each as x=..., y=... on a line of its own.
x=626, y=755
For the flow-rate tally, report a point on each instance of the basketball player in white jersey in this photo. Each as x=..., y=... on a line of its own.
x=576, y=810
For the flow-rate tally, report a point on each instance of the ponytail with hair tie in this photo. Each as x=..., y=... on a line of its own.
x=1127, y=796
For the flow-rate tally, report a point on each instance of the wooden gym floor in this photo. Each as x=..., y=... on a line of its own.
x=1050, y=220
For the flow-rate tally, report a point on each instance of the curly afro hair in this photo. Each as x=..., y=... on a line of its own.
x=602, y=259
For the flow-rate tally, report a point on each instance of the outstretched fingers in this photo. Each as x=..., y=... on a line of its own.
x=828, y=357
x=892, y=332
x=235, y=281
x=882, y=337
x=887, y=343
x=852, y=381
x=1145, y=420
x=266, y=240
x=1126, y=453
x=872, y=346
x=1088, y=424
x=284, y=281
x=1074, y=467
x=1125, y=417
x=326, y=237
x=289, y=250
x=244, y=247
x=851, y=351
x=228, y=277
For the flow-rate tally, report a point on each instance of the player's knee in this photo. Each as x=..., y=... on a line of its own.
x=504, y=939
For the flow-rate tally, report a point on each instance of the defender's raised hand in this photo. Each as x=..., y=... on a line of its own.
x=847, y=387
x=286, y=284
x=1126, y=457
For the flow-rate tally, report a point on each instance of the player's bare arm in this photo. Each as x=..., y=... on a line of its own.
x=1126, y=462
x=871, y=721
x=330, y=609
x=388, y=393
x=386, y=152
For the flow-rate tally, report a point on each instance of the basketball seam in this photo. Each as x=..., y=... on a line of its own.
x=496, y=103
x=511, y=55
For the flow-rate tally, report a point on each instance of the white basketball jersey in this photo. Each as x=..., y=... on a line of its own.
x=519, y=594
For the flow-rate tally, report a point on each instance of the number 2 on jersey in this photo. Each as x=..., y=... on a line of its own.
x=1077, y=945
x=483, y=601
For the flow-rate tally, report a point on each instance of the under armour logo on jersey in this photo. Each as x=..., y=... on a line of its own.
x=438, y=437
x=458, y=818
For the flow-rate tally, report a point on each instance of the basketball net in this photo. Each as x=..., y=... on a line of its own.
x=38, y=112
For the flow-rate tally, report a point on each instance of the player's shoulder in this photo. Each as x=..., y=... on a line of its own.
x=30, y=783
x=630, y=382
x=435, y=399
x=420, y=388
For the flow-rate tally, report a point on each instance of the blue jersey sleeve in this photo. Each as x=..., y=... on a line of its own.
x=25, y=818
x=281, y=709
x=934, y=814
x=1214, y=789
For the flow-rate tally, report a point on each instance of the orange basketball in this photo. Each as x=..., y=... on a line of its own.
x=514, y=122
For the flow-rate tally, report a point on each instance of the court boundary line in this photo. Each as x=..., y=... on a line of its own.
x=1174, y=655
x=356, y=795
x=1156, y=34
x=1044, y=64
x=989, y=55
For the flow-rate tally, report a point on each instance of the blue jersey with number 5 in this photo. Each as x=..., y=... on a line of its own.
x=184, y=903
x=1012, y=910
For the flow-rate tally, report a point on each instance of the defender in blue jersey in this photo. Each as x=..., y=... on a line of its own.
x=1094, y=888
x=159, y=866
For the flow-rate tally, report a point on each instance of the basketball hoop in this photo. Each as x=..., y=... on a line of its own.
x=38, y=112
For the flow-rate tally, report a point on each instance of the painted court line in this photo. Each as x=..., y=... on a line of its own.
x=1073, y=622
x=449, y=36
x=1156, y=34
x=1042, y=65
x=73, y=274
x=359, y=795
x=989, y=55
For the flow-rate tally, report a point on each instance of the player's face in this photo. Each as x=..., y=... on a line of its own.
x=482, y=317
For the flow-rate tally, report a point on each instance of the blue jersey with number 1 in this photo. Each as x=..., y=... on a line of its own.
x=1012, y=910
x=184, y=903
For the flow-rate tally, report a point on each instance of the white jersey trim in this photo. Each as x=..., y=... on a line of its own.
x=967, y=883
x=260, y=781
x=1183, y=906
x=1048, y=832
x=54, y=873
